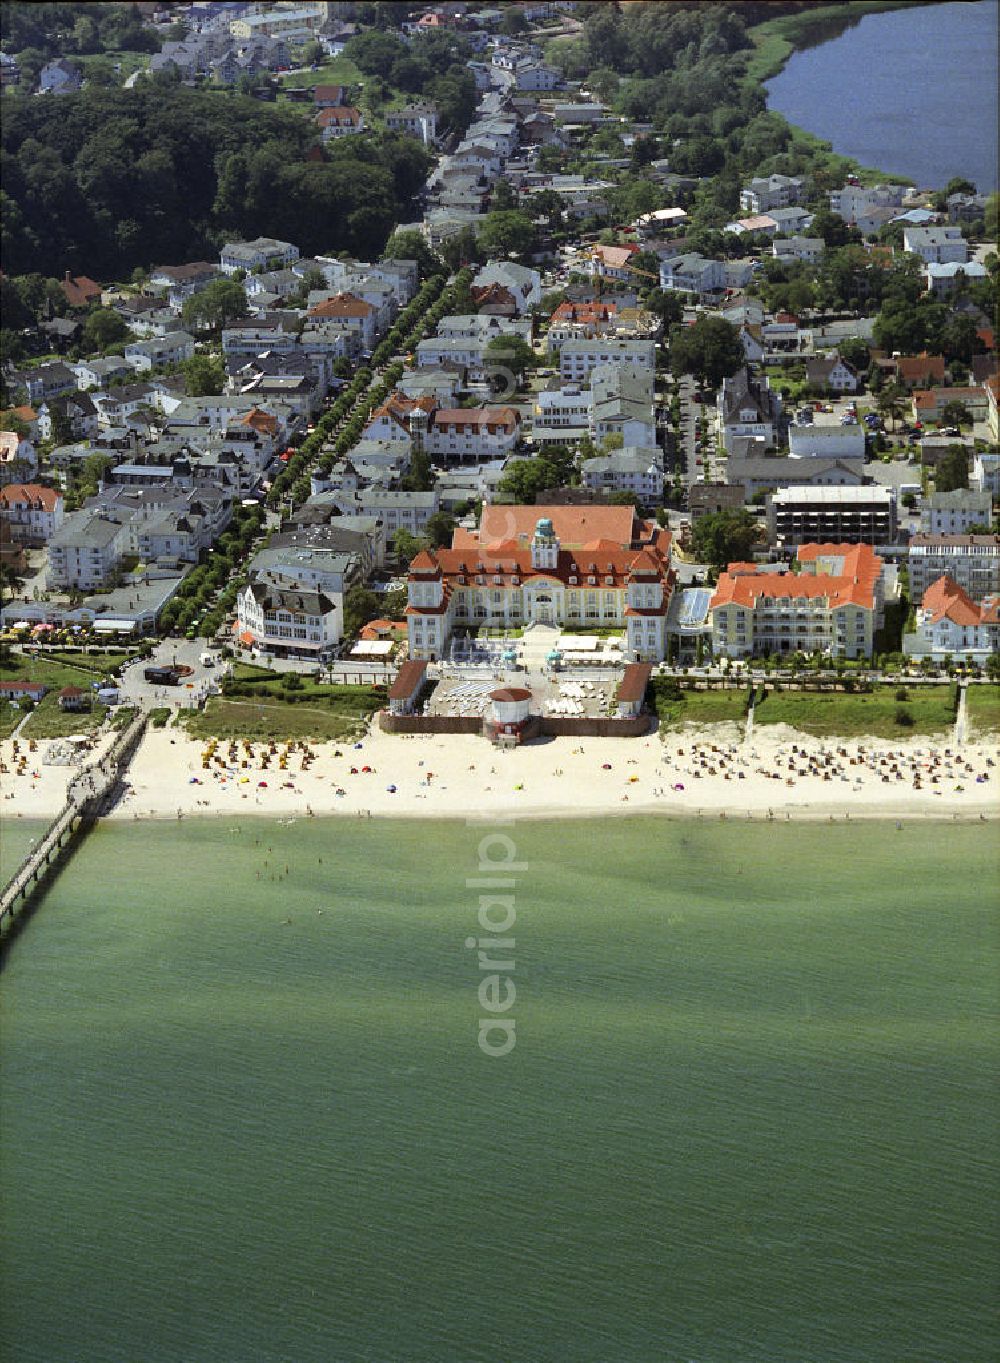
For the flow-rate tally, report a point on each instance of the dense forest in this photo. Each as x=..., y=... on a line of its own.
x=107, y=180
x=56, y=30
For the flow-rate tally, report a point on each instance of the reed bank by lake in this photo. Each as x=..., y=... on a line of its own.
x=750, y=1111
x=912, y=91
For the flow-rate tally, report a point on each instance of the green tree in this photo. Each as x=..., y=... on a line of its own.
x=360, y=606
x=216, y=305
x=711, y=350
x=955, y=414
x=523, y=479
x=407, y=546
x=953, y=470
x=891, y=402
x=103, y=329
x=421, y=476
x=508, y=354
x=439, y=529
x=509, y=233
x=411, y=245
x=204, y=376
x=854, y=351
x=667, y=304
x=724, y=537
x=513, y=22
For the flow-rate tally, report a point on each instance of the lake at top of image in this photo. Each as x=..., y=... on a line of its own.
x=912, y=92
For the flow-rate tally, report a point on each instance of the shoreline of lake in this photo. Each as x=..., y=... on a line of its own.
x=863, y=107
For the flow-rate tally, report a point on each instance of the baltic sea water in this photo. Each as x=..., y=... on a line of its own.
x=750, y=1113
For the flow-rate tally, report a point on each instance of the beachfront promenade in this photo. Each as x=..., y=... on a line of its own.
x=88, y=795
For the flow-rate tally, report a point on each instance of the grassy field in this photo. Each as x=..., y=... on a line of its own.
x=836, y=714
x=327, y=712
x=71, y=669
x=223, y=718
x=675, y=709
x=338, y=71
x=984, y=709
x=129, y=62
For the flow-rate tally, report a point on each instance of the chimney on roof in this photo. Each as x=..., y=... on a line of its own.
x=69, y=277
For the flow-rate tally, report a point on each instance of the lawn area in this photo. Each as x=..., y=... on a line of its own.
x=273, y=718
x=69, y=669
x=843, y=715
x=337, y=71
x=675, y=708
x=128, y=61
x=983, y=706
x=259, y=704
x=48, y=721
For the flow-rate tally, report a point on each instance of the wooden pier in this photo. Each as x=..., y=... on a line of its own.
x=90, y=793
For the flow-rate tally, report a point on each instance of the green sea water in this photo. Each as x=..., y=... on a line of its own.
x=751, y=1115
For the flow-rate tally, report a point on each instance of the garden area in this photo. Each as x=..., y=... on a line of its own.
x=60, y=669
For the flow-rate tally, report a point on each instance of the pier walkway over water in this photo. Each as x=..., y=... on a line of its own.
x=91, y=791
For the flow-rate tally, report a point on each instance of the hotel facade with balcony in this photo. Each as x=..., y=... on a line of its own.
x=832, y=605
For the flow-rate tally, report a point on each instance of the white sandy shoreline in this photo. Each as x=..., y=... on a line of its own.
x=710, y=773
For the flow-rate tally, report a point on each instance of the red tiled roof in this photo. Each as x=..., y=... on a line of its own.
x=398, y=407
x=506, y=417
x=913, y=367
x=573, y=525
x=375, y=629
x=945, y=599
x=408, y=679
x=584, y=312
x=615, y=256
x=260, y=421
x=42, y=498
x=342, y=305
x=634, y=681
x=855, y=585
x=510, y=694
x=339, y=116
x=80, y=291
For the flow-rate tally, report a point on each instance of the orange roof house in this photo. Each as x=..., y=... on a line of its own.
x=945, y=600
x=80, y=291
x=342, y=305
x=540, y=563
x=920, y=369
x=264, y=422
x=612, y=257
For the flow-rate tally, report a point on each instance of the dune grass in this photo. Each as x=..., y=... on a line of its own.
x=675, y=708
x=930, y=710
x=326, y=718
x=983, y=707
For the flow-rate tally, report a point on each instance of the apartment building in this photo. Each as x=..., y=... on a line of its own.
x=835, y=515
x=971, y=561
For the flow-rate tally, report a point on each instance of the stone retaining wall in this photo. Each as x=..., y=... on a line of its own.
x=551, y=726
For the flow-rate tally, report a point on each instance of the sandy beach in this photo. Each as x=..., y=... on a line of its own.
x=708, y=773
